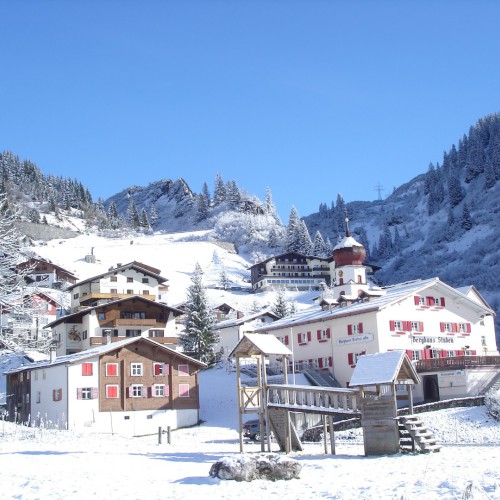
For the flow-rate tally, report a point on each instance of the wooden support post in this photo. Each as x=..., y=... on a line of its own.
x=240, y=402
x=332, y=435
x=325, y=435
x=159, y=435
x=169, y=435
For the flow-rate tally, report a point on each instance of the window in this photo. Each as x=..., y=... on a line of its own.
x=352, y=358
x=130, y=280
x=87, y=393
x=355, y=328
x=101, y=315
x=87, y=368
x=156, y=333
x=44, y=374
x=111, y=369
x=85, y=334
x=145, y=292
x=324, y=362
x=183, y=390
x=38, y=397
x=183, y=370
x=145, y=280
x=160, y=369
x=451, y=354
x=76, y=295
x=304, y=338
x=483, y=342
x=36, y=371
x=56, y=394
x=113, y=279
x=160, y=391
x=446, y=328
x=132, y=333
x=416, y=355
x=27, y=399
x=111, y=391
x=137, y=391
x=435, y=353
x=417, y=326
x=136, y=369
x=323, y=335
x=130, y=291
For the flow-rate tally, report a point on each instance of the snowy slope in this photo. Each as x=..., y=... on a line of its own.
x=41, y=463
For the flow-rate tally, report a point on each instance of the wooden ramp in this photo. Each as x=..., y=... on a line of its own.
x=414, y=435
x=278, y=422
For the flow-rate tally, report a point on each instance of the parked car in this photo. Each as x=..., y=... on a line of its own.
x=251, y=430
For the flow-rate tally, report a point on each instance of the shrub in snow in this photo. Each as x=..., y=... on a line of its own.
x=492, y=402
x=244, y=467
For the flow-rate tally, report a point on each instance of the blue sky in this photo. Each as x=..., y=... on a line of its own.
x=309, y=98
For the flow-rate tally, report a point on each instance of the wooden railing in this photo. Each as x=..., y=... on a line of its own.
x=456, y=363
x=304, y=398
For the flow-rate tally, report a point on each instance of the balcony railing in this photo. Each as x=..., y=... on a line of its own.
x=132, y=322
x=456, y=363
x=112, y=296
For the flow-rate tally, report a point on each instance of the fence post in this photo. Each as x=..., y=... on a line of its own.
x=159, y=435
x=168, y=434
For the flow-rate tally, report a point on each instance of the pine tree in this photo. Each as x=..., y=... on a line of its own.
x=455, y=191
x=206, y=193
x=270, y=207
x=153, y=216
x=144, y=221
x=466, y=218
x=280, y=307
x=199, y=337
x=305, y=243
x=224, y=280
x=293, y=232
x=201, y=208
x=319, y=246
x=233, y=195
x=219, y=190
x=133, y=215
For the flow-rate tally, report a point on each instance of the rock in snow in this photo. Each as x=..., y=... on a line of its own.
x=245, y=467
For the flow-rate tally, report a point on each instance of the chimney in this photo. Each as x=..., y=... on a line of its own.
x=107, y=334
x=52, y=351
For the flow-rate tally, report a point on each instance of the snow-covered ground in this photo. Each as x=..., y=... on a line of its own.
x=48, y=464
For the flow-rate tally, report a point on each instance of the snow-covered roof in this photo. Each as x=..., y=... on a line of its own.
x=383, y=368
x=346, y=242
x=392, y=294
x=228, y=323
x=255, y=344
x=98, y=351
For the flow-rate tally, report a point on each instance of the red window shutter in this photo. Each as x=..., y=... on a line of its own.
x=416, y=300
x=286, y=339
x=311, y=362
x=468, y=327
x=420, y=326
x=426, y=354
x=473, y=352
x=360, y=328
x=442, y=302
x=86, y=368
x=409, y=353
x=328, y=333
x=441, y=326
x=54, y=395
x=59, y=395
x=318, y=333
x=157, y=368
x=166, y=367
x=309, y=336
x=392, y=325
x=95, y=392
x=320, y=362
x=349, y=329
x=454, y=327
x=443, y=354
x=363, y=353
x=78, y=393
x=350, y=358
x=144, y=391
x=460, y=353
x=330, y=361
x=429, y=301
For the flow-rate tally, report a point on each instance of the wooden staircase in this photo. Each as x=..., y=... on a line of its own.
x=414, y=436
x=277, y=419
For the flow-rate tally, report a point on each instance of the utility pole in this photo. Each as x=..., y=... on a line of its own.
x=379, y=189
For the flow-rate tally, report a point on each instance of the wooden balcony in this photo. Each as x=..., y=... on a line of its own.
x=112, y=296
x=456, y=363
x=148, y=322
x=161, y=340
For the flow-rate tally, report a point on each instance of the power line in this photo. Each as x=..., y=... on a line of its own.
x=379, y=189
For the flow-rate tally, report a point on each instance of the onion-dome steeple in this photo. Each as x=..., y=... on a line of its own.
x=348, y=252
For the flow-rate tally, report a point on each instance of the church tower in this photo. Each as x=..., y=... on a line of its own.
x=347, y=269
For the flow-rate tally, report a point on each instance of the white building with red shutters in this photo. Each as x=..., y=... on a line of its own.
x=447, y=332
